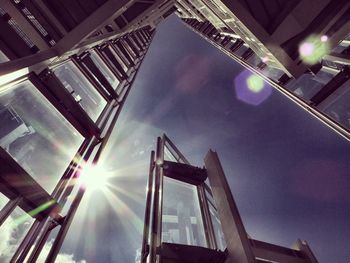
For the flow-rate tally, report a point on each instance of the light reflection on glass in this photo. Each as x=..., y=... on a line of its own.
x=219, y=235
x=81, y=89
x=35, y=134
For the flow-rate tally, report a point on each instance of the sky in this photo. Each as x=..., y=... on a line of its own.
x=288, y=172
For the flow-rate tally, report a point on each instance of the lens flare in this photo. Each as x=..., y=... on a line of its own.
x=312, y=49
x=93, y=178
x=251, y=88
x=255, y=83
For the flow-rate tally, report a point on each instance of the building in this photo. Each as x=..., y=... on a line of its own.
x=191, y=216
x=299, y=47
x=66, y=68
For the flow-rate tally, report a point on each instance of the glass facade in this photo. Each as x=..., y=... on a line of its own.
x=219, y=235
x=81, y=89
x=107, y=73
x=35, y=134
x=181, y=219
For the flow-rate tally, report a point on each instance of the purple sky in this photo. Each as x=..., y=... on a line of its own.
x=288, y=172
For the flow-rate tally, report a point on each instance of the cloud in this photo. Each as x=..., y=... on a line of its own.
x=61, y=258
x=12, y=233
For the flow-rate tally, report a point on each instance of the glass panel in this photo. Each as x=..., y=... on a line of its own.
x=219, y=235
x=3, y=200
x=339, y=110
x=12, y=233
x=241, y=50
x=81, y=89
x=35, y=134
x=254, y=60
x=182, y=220
x=308, y=85
x=122, y=64
x=112, y=79
x=3, y=57
x=168, y=155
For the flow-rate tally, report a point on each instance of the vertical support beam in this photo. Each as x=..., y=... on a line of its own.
x=8, y=209
x=145, y=245
x=238, y=246
x=157, y=202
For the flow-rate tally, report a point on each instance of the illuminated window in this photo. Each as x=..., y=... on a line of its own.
x=35, y=134
x=81, y=89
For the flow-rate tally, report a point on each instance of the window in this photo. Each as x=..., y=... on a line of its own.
x=121, y=62
x=308, y=85
x=81, y=89
x=107, y=73
x=35, y=134
x=339, y=110
x=182, y=219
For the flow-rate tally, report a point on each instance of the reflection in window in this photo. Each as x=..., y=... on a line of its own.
x=81, y=89
x=35, y=134
x=107, y=73
x=219, y=235
x=339, y=110
x=181, y=220
x=12, y=233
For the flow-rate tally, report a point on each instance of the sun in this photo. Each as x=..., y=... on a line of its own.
x=94, y=178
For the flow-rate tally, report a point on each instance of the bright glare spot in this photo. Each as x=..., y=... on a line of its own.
x=93, y=178
x=324, y=38
x=313, y=49
x=159, y=162
x=255, y=83
x=265, y=59
x=306, y=49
